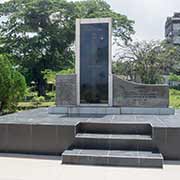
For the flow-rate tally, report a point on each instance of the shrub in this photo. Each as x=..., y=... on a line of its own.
x=50, y=96
x=12, y=85
x=174, y=77
x=38, y=100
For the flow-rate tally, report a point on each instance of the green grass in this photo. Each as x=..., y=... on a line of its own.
x=31, y=105
x=174, y=98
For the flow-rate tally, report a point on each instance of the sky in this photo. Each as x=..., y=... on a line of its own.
x=149, y=15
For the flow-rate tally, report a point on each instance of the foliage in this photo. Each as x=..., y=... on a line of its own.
x=30, y=93
x=124, y=68
x=50, y=75
x=174, y=92
x=122, y=26
x=175, y=98
x=40, y=34
x=147, y=60
x=12, y=87
x=50, y=96
x=174, y=77
x=38, y=100
x=67, y=71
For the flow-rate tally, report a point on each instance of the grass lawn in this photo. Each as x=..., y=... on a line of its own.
x=174, y=98
x=31, y=105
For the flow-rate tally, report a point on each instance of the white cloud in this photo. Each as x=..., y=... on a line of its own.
x=1, y=1
x=149, y=15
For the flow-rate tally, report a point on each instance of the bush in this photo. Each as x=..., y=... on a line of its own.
x=12, y=86
x=50, y=96
x=38, y=100
x=174, y=92
x=30, y=94
x=174, y=98
x=174, y=77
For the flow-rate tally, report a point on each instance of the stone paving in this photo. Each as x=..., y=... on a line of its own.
x=41, y=116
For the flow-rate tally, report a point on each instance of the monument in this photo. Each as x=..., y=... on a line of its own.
x=87, y=126
x=94, y=89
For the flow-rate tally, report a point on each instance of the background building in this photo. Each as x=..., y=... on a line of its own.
x=172, y=29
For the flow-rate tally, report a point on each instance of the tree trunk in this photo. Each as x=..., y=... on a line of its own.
x=41, y=87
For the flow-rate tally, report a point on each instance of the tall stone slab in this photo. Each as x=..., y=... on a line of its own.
x=93, y=61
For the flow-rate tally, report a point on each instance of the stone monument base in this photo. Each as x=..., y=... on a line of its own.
x=111, y=140
x=110, y=110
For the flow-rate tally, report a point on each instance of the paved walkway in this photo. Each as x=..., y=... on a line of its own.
x=28, y=167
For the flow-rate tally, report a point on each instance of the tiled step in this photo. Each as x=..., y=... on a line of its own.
x=114, y=128
x=113, y=141
x=113, y=158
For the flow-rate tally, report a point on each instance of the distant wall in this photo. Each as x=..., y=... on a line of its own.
x=130, y=94
x=66, y=90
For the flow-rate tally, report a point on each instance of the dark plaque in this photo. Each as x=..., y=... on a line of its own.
x=94, y=54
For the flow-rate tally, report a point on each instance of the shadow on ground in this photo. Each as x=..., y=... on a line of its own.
x=31, y=156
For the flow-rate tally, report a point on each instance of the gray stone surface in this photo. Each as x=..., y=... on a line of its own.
x=110, y=110
x=130, y=94
x=165, y=130
x=66, y=90
x=113, y=158
x=19, y=138
x=109, y=128
x=113, y=141
x=125, y=94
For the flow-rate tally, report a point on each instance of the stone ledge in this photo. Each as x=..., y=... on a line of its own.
x=110, y=110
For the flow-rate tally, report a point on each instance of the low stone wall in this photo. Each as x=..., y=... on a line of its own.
x=66, y=90
x=130, y=94
x=125, y=93
x=35, y=138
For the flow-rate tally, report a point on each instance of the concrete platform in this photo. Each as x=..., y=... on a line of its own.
x=37, y=132
x=110, y=110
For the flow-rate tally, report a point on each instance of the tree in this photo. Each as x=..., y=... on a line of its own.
x=148, y=60
x=41, y=33
x=122, y=26
x=170, y=58
x=12, y=87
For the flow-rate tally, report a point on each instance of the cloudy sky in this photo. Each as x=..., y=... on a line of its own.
x=149, y=15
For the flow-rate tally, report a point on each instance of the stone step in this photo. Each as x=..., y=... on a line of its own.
x=113, y=141
x=70, y=110
x=114, y=128
x=113, y=158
